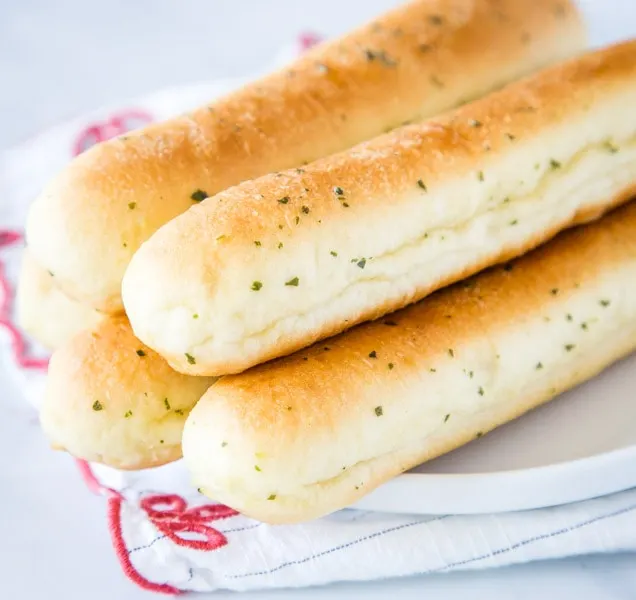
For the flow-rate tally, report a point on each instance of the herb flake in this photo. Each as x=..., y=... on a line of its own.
x=378, y=411
x=198, y=195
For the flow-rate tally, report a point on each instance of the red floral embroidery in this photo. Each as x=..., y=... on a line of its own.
x=116, y=125
x=19, y=345
x=170, y=514
x=309, y=40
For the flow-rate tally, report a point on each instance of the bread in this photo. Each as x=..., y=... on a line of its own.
x=313, y=432
x=277, y=263
x=112, y=400
x=415, y=61
x=46, y=313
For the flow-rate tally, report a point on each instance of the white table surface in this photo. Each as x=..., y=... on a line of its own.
x=61, y=58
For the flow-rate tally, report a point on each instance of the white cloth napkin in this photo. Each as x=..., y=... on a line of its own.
x=169, y=538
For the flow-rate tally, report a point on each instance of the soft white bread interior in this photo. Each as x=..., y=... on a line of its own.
x=415, y=61
x=112, y=400
x=279, y=262
x=313, y=432
x=45, y=312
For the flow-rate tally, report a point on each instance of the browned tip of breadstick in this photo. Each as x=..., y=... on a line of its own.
x=112, y=400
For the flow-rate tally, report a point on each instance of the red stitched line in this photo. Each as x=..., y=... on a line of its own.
x=121, y=551
x=18, y=342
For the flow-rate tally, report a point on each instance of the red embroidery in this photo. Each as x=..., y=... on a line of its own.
x=114, y=524
x=309, y=40
x=19, y=344
x=116, y=125
x=170, y=514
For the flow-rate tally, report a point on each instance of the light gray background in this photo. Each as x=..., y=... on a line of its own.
x=59, y=58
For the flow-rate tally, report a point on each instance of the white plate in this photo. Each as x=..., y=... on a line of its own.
x=579, y=446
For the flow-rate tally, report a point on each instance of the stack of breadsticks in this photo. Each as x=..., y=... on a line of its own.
x=168, y=266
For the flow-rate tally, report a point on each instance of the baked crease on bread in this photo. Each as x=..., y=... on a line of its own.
x=313, y=432
x=279, y=262
x=415, y=61
x=44, y=311
x=112, y=400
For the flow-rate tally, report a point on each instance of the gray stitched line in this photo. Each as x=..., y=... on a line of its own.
x=456, y=564
x=528, y=541
x=341, y=547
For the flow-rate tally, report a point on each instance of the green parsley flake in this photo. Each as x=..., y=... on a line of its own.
x=283, y=200
x=140, y=352
x=305, y=209
x=362, y=262
x=166, y=403
x=198, y=195
x=378, y=411
x=569, y=347
x=421, y=184
x=257, y=468
x=195, y=316
x=373, y=354
x=223, y=444
x=446, y=417
x=293, y=282
x=132, y=205
x=539, y=366
x=611, y=148
x=554, y=164
x=257, y=243
x=605, y=303
x=191, y=359
x=256, y=285
x=97, y=405
x=271, y=497
x=128, y=414
x=480, y=391
x=391, y=366
x=333, y=253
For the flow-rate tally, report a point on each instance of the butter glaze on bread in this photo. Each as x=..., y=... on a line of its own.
x=112, y=400
x=280, y=262
x=313, y=432
x=45, y=312
x=415, y=61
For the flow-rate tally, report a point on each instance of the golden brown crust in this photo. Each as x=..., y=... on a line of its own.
x=516, y=144
x=112, y=400
x=557, y=316
x=414, y=62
